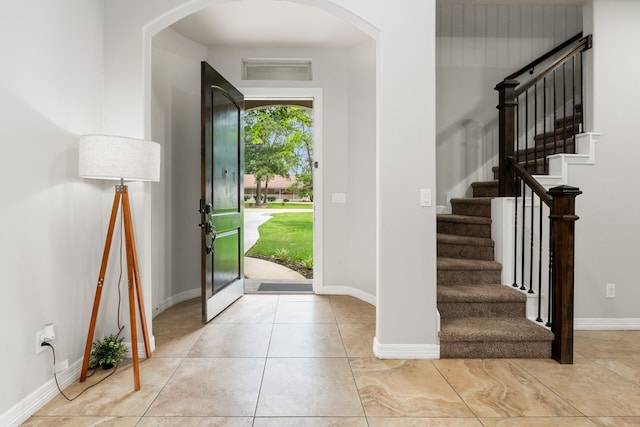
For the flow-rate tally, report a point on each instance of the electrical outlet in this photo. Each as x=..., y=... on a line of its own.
x=611, y=290
x=47, y=334
x=39, y=340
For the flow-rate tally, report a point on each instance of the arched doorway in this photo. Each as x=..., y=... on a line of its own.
x=178, y=269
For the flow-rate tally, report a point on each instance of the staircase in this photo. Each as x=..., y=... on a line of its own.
x=480, y=317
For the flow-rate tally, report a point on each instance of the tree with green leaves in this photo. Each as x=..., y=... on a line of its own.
x=278, y=142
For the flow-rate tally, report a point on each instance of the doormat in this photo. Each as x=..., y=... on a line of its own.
x=286, y=287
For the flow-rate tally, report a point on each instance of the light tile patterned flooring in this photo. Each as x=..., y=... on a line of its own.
x=306, y=361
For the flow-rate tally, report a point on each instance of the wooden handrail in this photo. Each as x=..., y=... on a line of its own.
x=585, y=44
x=529, y=67
x=530, y=181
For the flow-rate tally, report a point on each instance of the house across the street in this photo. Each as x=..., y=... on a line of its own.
x=279, y=186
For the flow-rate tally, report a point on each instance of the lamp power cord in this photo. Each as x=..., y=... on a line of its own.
x=55, y=375
x=120, y=329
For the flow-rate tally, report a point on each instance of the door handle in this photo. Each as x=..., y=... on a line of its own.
x=205, y=209
x=209, y=249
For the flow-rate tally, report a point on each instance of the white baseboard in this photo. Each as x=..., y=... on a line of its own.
x=348, y=290
x=176, y=299
x=606, y=324
x=28, y=406
x=142, y=354
x=405, y=351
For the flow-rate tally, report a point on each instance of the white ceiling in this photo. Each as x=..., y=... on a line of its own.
x=268, y=23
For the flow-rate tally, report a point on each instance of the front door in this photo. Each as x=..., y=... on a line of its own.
x=222, y=202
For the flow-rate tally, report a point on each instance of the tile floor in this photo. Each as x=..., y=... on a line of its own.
x=306, y=361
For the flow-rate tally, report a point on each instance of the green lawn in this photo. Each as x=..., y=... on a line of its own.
x=287, y=238
x=279, y=205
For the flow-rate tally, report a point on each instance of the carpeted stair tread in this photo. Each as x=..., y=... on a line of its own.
x=558, y=147
x=493, y=329
x=485, y=188
x=557, y=133
x=559, y=123
x=464, y=225
x=473, y=200
x=476, y=206
x=445, y=264
x=453, y=271
x=480, y=293
x=465, y=247
x=464, y=219
x=452, y=239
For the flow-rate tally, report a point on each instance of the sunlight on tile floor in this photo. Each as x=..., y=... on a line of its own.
x=306, y=361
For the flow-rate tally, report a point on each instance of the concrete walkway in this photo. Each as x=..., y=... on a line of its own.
x=255, y=268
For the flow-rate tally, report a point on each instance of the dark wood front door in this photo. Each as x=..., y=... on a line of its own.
x=221, y=203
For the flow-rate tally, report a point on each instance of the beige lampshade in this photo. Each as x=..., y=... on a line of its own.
x=116, y=157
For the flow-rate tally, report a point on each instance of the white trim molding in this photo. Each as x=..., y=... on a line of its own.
x=348, y=290
x=21, y=411
x=176, y=299
x=559, y=163
x=405, y=351
x=606, y=324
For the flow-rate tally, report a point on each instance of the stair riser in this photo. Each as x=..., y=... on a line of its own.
x=456, y=310
x=495, y=350
x=448, y=250
x=470, y=209
x=486, y=191
x=462, y=229
x=468, y=277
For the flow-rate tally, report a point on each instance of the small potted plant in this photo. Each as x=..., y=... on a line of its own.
x=107, y=352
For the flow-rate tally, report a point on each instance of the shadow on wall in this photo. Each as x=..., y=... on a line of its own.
x=466, y=152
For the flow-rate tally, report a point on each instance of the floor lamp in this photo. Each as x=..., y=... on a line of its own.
x=123, y=159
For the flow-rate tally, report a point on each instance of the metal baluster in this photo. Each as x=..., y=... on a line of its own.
x=555, y=114
x=535, y=159
x=544, y=123
x=539, y=318
x=550, y=286
x=523, y=188
x=516, y=195
x=531, y=245
x=564, y=107
x=524, y=222
x=573, y=102
x=583, y=121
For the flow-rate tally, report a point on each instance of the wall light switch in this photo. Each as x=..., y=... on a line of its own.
x=338, y=198
x=425, y=197
x=611, y=290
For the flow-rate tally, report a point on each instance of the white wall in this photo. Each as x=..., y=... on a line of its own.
x=477, y=46
x=52, y=223
x=175, y=101
x=361, y=240
x=607, y=233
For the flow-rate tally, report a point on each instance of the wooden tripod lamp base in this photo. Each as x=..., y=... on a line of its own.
x=135, y=287
x=120, y=158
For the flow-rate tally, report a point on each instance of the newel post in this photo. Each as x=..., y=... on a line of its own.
x=563, y=220
x=507, y=104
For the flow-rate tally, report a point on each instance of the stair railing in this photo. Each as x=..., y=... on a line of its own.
x=550, y=102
